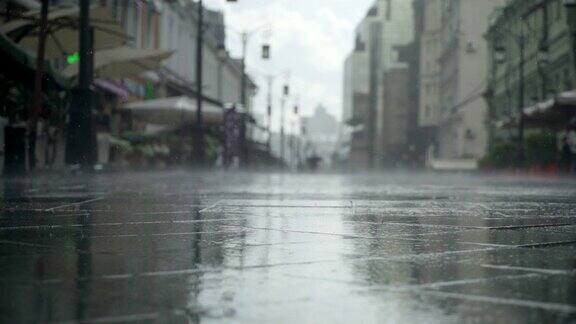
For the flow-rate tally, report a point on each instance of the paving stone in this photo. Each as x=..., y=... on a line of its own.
x=222, y=247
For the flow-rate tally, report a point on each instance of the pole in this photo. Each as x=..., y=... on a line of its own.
x=571, y=19
x=38, y=76
x=543, y=49
x=522, y=46
x=291, y=146
x=282, y=137
x=84, y=64
x=491, y=95
x=199, y=138
x=244, y=78
x=81, y=138
x=269, y=113
x=244, y=102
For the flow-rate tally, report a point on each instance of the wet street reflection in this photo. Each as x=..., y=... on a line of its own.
x=181, y=247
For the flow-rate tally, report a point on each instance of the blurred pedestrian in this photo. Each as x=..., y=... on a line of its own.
x=231, y=151
x=571, y=145
x=566, y=156
x=313, y=162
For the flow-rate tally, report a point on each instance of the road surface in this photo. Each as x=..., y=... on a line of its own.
x=184, y=247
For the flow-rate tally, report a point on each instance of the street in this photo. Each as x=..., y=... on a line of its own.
x=221, y=247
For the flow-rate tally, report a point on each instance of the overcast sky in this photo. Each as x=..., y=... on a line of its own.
x=310, y=40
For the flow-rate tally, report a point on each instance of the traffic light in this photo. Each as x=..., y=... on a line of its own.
x=266, y=52
x=286, y=90
x=73, y=58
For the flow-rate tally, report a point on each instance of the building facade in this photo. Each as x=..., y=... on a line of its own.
x=149, y=25
x=392, y=108
x=392, y=123
x=462, y=113
x=531, y=59
x=222, y=74
x=355, y=105
x=321, y=140
x=355, y=79
x=387, y=25
x=429, y=77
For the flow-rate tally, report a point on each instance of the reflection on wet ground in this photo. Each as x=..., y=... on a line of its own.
x=244, y=248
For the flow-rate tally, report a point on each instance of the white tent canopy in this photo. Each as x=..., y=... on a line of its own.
x=63, y=24
x=567, y=98
x=553, y=113
x=123, y=62
x=175, y=111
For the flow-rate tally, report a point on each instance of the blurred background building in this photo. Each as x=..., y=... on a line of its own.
x=387, y=25
x=463, y=81
x=321, y=136
x=145, y=89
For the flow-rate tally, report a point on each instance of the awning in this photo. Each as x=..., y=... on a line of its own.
x=554, y=113
x=112, y=88
x=63, y=37
x=175, y=111
x=122, y=62
x=21, y=65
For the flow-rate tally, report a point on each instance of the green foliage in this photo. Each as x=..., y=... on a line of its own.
x=500, y=156
x=212, y=148
x=541, y=149
x=55, y=108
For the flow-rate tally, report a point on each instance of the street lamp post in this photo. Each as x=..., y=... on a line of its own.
x=245, y=38
x=199, y=144
x=244, y=83
x=243, y=101
x=244, y=77
x=570, y=6
x=39, y=74
x=81, y=138
x=521, y=119
x=282, y=139
x=269, y=115
x=285, y=94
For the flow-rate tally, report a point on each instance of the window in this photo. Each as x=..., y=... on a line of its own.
x=114, y=8
x=170, y=31
x=149, y=30
x=135, y=18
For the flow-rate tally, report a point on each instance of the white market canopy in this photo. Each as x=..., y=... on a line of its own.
x=122, y=62
x=567, y=98
x=553, y=113
x=63, y=39
x=174, y=111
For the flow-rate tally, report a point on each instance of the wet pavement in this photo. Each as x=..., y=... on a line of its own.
x=181, y=247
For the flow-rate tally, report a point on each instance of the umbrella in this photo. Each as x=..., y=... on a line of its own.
x=122, y=62
x=553, y=113
x=174, y=111
x=63, y=27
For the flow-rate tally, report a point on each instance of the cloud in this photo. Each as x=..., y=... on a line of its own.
x=309, y=38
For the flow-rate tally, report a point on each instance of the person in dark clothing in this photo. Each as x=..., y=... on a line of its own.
x=566, y=156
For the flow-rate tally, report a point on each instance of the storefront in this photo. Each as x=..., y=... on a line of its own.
x=16, y=86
